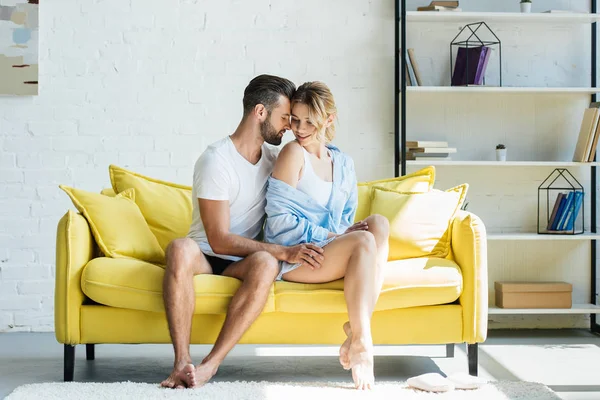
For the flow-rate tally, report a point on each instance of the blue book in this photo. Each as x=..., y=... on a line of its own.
x=578, y=202
x=561, y=207
x=563, y=216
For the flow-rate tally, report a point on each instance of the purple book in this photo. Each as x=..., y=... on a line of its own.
x=483, y=66
x=468, y=63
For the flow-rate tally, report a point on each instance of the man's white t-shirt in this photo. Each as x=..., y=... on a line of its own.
x=222, y=173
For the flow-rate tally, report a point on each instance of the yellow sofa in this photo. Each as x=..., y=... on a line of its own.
x=100, y=299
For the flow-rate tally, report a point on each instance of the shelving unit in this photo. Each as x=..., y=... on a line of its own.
x=404, y=94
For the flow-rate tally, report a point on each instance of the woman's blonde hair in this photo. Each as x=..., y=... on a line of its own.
x=319, y=100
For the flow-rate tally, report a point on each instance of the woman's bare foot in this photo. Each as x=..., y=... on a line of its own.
x=344, y=359
x=180, y=377
x=203, y=373
x=361, y=361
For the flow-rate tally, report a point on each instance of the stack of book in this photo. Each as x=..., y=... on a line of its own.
x=428, y=150
x=585, y=149
x=441, y=6
x=565, y=211
x=470, y=66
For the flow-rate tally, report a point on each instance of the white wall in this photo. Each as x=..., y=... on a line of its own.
x=147, y=85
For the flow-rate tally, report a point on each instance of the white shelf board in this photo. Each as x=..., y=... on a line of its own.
x=501, y=89
x=459, y=163
x=575, y=309
x=467, y=16
x=536, y=236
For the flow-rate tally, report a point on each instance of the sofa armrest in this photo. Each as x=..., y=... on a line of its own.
x=469, y=246
x=74, y=249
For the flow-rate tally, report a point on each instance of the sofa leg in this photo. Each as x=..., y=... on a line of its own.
x=472, y=356
x=450, y=350
x=89, y=352
x=69, y=362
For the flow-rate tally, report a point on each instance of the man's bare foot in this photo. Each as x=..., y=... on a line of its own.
x=203, y=373
x=344, y=359
x=180, y=377
x=361, y=361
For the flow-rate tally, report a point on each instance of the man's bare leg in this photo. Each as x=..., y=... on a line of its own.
x=257, y=272
x=184, y=260
x=379, y=226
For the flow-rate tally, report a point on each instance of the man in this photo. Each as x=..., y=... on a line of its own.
x=228, y=194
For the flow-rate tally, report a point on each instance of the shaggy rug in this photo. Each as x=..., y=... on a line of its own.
x=500, y=390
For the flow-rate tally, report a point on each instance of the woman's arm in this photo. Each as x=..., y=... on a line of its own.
x=289, y=164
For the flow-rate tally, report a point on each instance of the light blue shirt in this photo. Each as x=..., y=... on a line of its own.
x=293, y=217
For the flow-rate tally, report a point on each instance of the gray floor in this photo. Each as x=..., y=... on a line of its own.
x=565, y=360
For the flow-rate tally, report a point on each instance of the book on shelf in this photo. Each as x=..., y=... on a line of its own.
x=427, y=157
x=425, y=143
x=413, y=75
x=432, y=150
x=565, y=211
x=471, y=65
x=439, y=8
x=587, y=141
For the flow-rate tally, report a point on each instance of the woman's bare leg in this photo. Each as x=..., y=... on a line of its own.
x=353, y=257
x=379, y=226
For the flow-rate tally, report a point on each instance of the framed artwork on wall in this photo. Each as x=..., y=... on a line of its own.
x=19, y=21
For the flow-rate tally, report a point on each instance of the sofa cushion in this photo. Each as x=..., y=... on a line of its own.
x=419, y=222
x=166, y=206
x=408, y=283
x=417, y=182
x=137, y=285
x=117, y=224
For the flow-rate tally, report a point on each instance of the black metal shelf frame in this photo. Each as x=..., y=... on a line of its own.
x=400, y=118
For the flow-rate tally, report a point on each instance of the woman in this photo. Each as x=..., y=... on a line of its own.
x=312, y=198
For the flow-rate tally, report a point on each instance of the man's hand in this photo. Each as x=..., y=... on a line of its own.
x=306, y=253
x=359, y=226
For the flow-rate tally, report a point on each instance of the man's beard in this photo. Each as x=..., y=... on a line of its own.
x=269, y=134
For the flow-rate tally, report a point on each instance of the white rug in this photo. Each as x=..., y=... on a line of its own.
x=270, y=391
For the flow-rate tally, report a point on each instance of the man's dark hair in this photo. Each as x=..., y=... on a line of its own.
x=266, y=90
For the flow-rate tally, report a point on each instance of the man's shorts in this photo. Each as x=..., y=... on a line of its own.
x=218, y=264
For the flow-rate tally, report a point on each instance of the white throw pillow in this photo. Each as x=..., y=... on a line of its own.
x=464, y=381
x=431, y=382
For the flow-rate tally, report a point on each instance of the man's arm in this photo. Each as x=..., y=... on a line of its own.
x=215, y=217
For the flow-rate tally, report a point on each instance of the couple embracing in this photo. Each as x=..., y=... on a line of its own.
x=260, y=215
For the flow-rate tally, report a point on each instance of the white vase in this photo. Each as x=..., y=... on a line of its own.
x=525, y=7
x=500, y=154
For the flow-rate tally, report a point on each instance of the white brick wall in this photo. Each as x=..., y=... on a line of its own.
x=148, y=84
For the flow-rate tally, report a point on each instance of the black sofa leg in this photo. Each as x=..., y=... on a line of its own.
x=450, y=350
x=69, y=362
x=89, y=352
x=472, y=355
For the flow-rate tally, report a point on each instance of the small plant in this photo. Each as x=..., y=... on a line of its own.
x=464, y=206
x=525, y=1
x=500, y=146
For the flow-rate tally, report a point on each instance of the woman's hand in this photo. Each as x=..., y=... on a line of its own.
x=359, y=226
x=306, y=253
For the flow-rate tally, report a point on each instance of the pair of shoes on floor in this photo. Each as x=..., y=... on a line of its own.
x=434, y=382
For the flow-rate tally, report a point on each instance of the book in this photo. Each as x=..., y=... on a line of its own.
x=444, y=3
x=561, y=207
x=554, y=210
x=469, y=61
x=411, y=71
x=587, y=130
x=415, y=67
x=483, y=67
x=432, y=149
x=425, y=143
x=438, y=8
x=591, y=152
x=578, y=202
x=565, y=211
